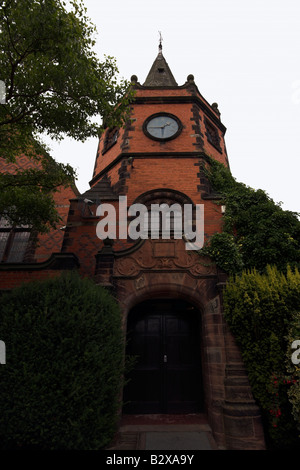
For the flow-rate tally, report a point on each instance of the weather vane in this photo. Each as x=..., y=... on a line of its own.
x=160, y=40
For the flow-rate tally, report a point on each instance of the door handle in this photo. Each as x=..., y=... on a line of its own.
x=165, y=358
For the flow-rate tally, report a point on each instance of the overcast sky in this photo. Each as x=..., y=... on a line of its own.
x=244, y=55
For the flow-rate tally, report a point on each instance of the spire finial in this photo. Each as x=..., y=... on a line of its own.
x=160, y=42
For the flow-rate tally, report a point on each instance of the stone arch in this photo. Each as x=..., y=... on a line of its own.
x=162, y=290
x=228, y=402
x=213, y=355
x=163, y=195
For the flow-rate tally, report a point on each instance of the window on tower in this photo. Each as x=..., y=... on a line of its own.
x=110, y=139
x=212, y=135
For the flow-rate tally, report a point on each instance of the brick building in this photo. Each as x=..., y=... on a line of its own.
x=25, y=255
x=171, y=297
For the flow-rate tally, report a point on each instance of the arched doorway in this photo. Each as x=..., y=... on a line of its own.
x=164, y=335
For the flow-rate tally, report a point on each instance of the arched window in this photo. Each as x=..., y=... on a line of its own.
x=110, y=139
x=165, y=214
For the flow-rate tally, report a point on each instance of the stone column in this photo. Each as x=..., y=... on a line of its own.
x=213, y=367
x=105, y=264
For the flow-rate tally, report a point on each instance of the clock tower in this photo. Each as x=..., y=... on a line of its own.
x=170, y=295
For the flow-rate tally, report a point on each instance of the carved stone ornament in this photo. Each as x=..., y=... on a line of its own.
x=145, y=259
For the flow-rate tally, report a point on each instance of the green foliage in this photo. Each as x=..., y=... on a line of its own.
x=259, y=309
x=60, y=387
x=224, y=251
x=54, y=81
x=262, y=231
x=55, y=85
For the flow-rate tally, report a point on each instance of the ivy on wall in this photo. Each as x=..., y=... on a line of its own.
x=256, y=230
x=259, y=247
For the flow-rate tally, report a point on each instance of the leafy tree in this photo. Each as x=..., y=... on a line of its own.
x=55, y=85
x=263, y=233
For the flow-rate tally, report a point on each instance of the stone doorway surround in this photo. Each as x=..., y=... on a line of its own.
x=165, y=269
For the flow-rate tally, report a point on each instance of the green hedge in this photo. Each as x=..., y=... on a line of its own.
x=61, y=383
x=260, y=309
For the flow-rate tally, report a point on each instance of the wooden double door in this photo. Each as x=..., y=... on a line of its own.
x=164, y=337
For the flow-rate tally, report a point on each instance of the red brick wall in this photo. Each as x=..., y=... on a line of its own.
x=12, y=279
x=134, y=140
x=52, y=242
x=81, y=239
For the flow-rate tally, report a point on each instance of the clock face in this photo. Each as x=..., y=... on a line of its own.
x=162, y=127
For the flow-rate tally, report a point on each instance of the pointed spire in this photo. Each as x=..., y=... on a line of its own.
x=160, y=73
